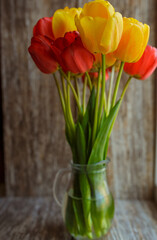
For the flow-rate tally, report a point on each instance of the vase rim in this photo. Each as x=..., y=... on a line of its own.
x=99, y=165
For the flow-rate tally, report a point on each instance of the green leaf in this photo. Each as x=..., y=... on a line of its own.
x=103, y=120
x=70, y=219
x=106, y=146
x=68, y=135
x=89, y=114
x=86, y=203
x=80, y=144
x=87, y=121
x=79, y=216
x=102, y=205
x=89, y=141
x=97, y=153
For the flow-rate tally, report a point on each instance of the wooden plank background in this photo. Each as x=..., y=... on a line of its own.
x=2, y=177
x=35, y=146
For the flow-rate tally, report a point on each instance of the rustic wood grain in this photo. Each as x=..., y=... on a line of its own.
x=39, y=218
x=2, y=177
x=35, y=146
x=132, y=140
x=132, y=145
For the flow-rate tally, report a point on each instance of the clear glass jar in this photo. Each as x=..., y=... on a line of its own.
x=88, y=205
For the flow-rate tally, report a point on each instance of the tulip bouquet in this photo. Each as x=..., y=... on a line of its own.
x=92, y=43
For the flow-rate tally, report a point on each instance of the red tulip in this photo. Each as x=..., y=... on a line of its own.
x=42, y=54
x=71, y=54
x=40, y=48
x=145, y=66
x=44, y=28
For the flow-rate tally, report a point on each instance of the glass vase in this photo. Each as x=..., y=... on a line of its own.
x=88, y=205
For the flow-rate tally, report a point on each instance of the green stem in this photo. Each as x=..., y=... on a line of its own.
x=110, y=90
x=122, y=96
x=77, y=90
x=70, y=117
x=65, y=107
x=103, y=87
x=105, y=102
x=125, y=88
x=84, y=94
x=60, y=95
x=89, y=81
x=96, y=108
x=117, y=84
x=73, y=90
x=63, y=87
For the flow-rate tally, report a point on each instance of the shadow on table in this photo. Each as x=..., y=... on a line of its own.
x=57, y=230
x=151, y=209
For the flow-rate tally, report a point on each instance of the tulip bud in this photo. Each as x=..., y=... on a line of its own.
x=44, y=28
x=63, y=21
x=40, y=51
x=145, y=66
x=71, y=54
x=133, y=42
x=100, y=27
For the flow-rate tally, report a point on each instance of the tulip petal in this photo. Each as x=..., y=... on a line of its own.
x=91, y=30
x=112, y=34
x=99, y=8
x=110, y=60
x=63, y=21
x=56, y=53
x=77, y=59
x=68, y=61
x=99, y=26
x=61, y=43
x=83, y=58
x=133, y=41
x=146, y=32
x=147, y=63
x=71, y=36
x=42, y=55
x=44, y=27
x=145, y=66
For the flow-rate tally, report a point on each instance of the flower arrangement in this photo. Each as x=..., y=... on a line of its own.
x=92, y=43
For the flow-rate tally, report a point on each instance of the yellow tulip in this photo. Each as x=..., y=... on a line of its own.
x=133, y=42
x=63, y=21
x=100, y=26
x=110, y=60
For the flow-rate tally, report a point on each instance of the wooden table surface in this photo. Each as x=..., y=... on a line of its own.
x=40, y=219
